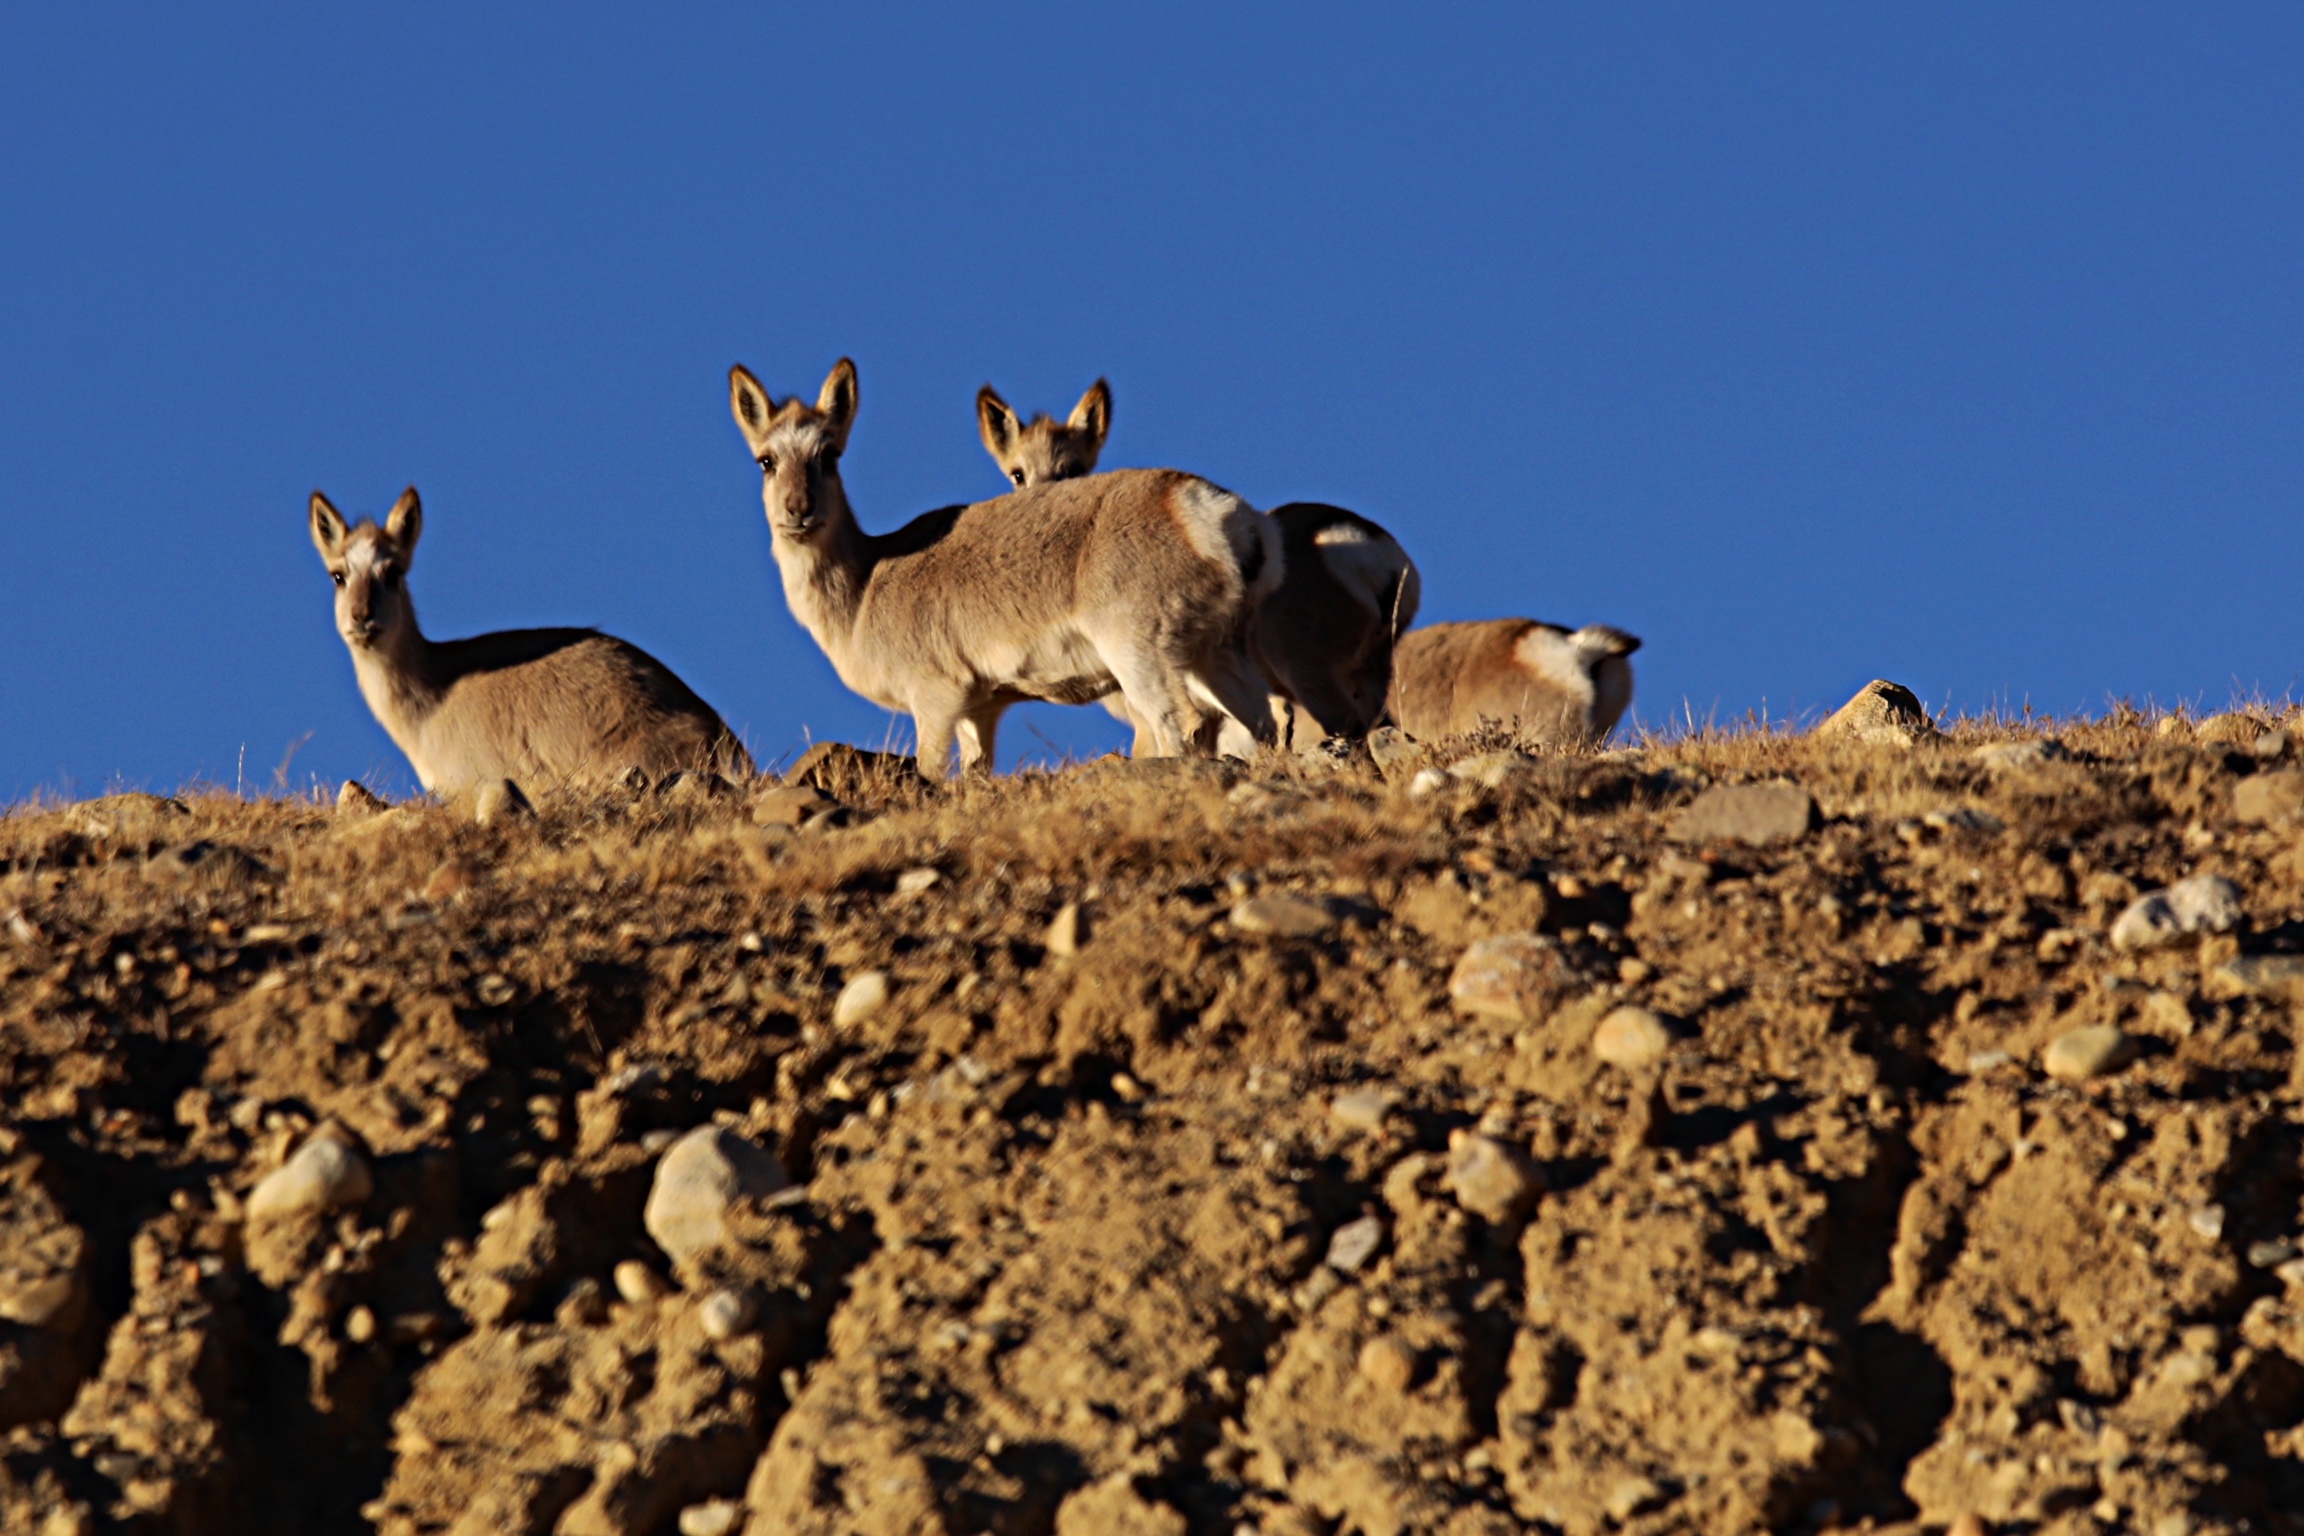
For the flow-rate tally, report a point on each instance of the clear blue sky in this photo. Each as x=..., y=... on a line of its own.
x=1955, y=344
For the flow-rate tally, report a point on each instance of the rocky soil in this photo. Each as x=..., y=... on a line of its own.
x=1871, y=1130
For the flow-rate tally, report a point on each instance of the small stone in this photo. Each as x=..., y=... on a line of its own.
x=1388, y=1362
x=359, y=1325
x=2032, y=752
x=1756, y=814
x=585, y=1306
x=357, y=799
x=326, y=1174
x=2208, y=1221
x=1492, y=1179
x=2241, y=730
x=1490, y=770
x=1067, y=932
x=2091, y=1051
x=638, y=1284
x=698, y=1178
x=713, y=1517
x=790, y=805
x=725, y=1314
x=1631, y=1038
x=1354, y=1244
x=1288, y=917
x=1882, y=714
x=2280, y=976
x=1968, y=1525
x=1113, y=1507
x=37, y=1300
x=501, y=801
x=694, y=787
x=915, y=882
x=2270, y=797
x=2271, y=1253
x=1362, y=1109
x=865, y=995
x=1511, y=976
x=2274, y=745
x=1392, y=749
x=2173, y=728
x=2202, y=904
x=1427, y=783
x=1629, y=1496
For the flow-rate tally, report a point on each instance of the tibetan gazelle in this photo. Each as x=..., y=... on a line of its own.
x=1323, y=639
x=1544, y=683
x=543, y=707
x=1144, y=581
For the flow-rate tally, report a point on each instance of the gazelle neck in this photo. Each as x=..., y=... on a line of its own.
x=400, y=680
x=824, y=579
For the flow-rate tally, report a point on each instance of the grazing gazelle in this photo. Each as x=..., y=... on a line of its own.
x=1144, y=581
x=1042, y=449
x=542, y=707
x=1547, y=684
x=1323, y=640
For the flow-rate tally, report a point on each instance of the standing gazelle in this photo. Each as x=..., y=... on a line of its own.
x=1144, y=581
x=543, y=707
x=1323, y=639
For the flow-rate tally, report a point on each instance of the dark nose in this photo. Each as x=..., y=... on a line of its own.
x=796, y=502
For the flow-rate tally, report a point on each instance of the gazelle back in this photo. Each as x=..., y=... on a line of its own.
x=543, y=707
x=1323, y=639
x=1143, y=581
x=1550, y=685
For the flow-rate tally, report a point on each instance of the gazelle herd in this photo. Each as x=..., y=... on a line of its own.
x=1209, y=626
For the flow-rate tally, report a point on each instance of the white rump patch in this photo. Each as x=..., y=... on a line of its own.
x=1367, y=565
x=1224, y=530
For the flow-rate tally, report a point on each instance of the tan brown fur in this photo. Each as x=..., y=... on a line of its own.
x=1043, y=449
x=1548, y=684
x=1142, y=581
x=1323, y=639
x=543, y=707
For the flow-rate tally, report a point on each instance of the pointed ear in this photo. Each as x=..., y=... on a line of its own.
x=837, y=399
x=1093, y=415
x=995, y=422
x=327, y=528
x=406, y=524
x=750, y=401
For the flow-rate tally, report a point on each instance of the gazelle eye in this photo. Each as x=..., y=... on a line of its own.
x=1016, y=475
x=336, y=577
x=767, y=463
x=828, y=462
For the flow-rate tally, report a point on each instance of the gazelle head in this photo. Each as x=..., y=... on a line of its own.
x=798, y=447
x=1035, y=452
x=370, y=568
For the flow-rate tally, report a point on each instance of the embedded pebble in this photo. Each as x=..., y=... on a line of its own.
x=2202, y=904
x=1882, y=714
x=1067, y=932
x=790, y=805
x=698, y=1178
x=1362, y=1109
x=1490, y=770
x=1288, y=917
x=1631, y=1495
x=713, y=1517
x=2004, y=756
x=326, y=1174
x=1388, y=1362
x=1631, y=1038
x=501, y=801
x=2093, y=1050
x=914, y=882
x=1970, y=1525
x=865, y=995
x=1426, y=783
x=1355, y=1243
x=1391, y=748
x=638, y=1284
x=2241, y=730
x=357, y=799
x=725, y=1314
x=1492, y=1179
x=2270, y=797
x=1511, y=976
x=1755, y=814
x=360, y=1325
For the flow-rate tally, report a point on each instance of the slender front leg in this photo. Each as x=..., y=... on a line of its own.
x=979, y=738
x=935, y=725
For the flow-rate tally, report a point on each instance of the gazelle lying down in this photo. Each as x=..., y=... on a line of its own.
x=1563, y=687
x=1323, y=639
x=1143, y=581
x=543, y=707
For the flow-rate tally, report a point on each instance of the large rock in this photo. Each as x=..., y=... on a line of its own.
x=1882, y=714
x=698, y=1179
x=1757, y=814
x=2202, y=904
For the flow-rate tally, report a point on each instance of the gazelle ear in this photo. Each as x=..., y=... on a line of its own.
x=1093, y=415
x=750, y=401
x=327, y=529
x=837, y=399
x=995, y=422
x=406, y=524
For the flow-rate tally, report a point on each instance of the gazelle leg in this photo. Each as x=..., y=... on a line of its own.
x=979, y=737
x=935, y=724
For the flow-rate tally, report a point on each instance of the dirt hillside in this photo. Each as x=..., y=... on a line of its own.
x=1748, y=1132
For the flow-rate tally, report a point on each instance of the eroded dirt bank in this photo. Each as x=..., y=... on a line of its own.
x=1224, y=1151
